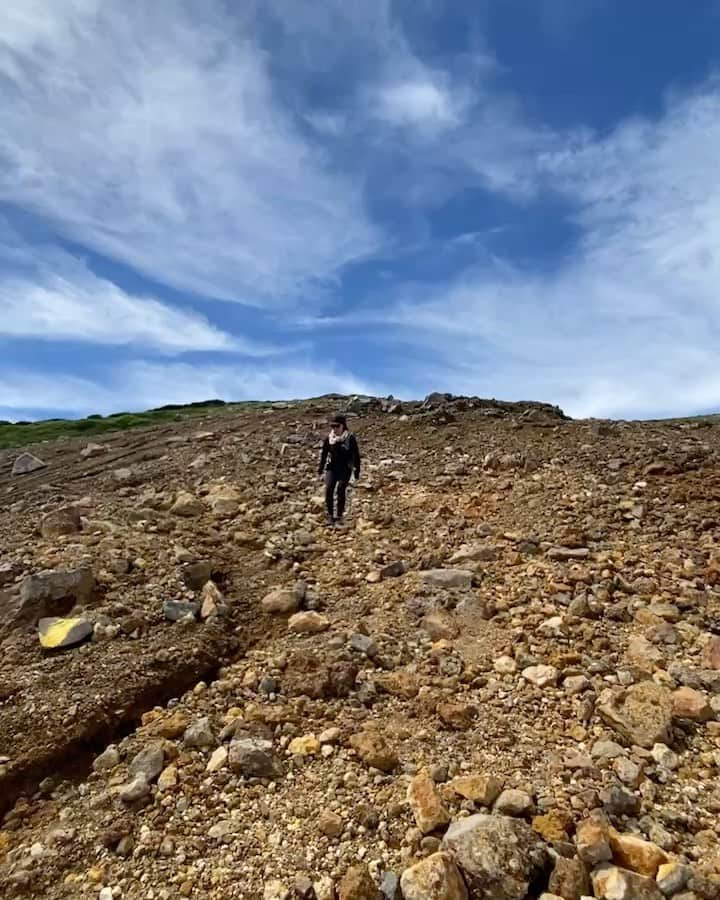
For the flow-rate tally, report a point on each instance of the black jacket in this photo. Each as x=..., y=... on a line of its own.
x=343, y=457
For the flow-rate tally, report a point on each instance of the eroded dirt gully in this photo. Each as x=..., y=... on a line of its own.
x=521, y=617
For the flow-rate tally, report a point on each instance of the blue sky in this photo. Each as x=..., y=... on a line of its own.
x=281, y=198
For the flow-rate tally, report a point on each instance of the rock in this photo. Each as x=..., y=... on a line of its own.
x=688, y=703
x=505, y=665
x=59, y=522
x=254, y=758
x=358, y=885
x=362, y=643
x=224, y=500
x=282, y=601
x=212, y=601
x=168, y=779
x=374, y=750
x=218, y=760
x=53, y=593
x=303, y=888
x=149, y=762
x=308, y=745
x=637, y=855
x=447, y=578
x=200, y=735
x=500, y=857
x=390, y=887
x=592, y=839
x=646, y=656
x=393, y=570
x=57, y=634
x=107, y=760
x=92, y=450
x=135, y=790
x=475, y=553
x=711, y=654
x=541, y=676
x=172, y=726
x=513, y=803
x=458, y=716
x=552, y=826
x=576, y=684
x=175, y=610
x=570, y=879
x=186, y=505
x=435, y=878
x=613, y=883
x=308, y=623
x=26, y=463
x=330, y=824
x=481, y=789
x=439, y=625
x=672, y=877
x=196, y=575
x=617, y=801
x=665, y=757
x=426, y=805
x=565, y=554
x=642, y=714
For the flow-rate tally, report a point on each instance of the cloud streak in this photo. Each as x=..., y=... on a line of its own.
x=152, y=135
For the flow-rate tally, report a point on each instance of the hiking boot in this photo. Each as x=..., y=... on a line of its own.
x=330, y=521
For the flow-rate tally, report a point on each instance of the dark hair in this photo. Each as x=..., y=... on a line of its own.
x=339, y=420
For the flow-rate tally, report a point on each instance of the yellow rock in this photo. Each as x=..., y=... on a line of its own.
x=637, y=855
x=426, y=804
x=552, y=826
x=482, y=789
x=308, y=745
x=168, y=779
x=96, y=875
x=55, y=633
x=4, y=843
x=233, y=713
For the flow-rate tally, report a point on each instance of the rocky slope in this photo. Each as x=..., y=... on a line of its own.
x=500, y=680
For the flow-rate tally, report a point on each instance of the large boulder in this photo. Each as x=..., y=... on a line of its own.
x=447, y=578
x=54, y=593
x=26, y=463
x=642, y=714
x=501, y=858
x=59, y=522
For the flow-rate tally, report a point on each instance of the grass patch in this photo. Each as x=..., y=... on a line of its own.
x=21, y=434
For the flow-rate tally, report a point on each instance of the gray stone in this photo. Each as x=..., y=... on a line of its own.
x=149, y=762
x=361, y=643
x=500, y=857
x=53, y=593
x=390, y=886
x=135, y=790
x=174, y=610
x=254, y=758
x=107, y=760
x=393, y=570
x=200, y=734
x=447, y=578
x=196, y=575
x=26, y=463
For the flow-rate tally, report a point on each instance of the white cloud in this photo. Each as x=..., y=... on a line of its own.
x=628, y=324
x=59, y=299
x=419, y=101
x=151, y=133
x=141, y=385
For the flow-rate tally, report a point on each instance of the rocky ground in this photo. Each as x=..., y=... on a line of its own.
x=500, y=679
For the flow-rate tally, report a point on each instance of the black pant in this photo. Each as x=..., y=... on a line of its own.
x=336, y=480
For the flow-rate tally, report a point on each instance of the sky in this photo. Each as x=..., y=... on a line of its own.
x=271, y=199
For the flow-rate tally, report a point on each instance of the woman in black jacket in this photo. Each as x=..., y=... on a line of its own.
x=340, y=458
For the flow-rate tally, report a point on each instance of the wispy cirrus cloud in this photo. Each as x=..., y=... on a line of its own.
x=151, y=133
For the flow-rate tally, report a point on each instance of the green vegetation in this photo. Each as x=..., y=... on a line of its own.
x=20, y=434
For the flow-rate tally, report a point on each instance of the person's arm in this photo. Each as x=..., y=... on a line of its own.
x=324, y=455
x=355, y=456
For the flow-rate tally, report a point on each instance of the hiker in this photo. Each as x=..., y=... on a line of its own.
x=340, y=458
